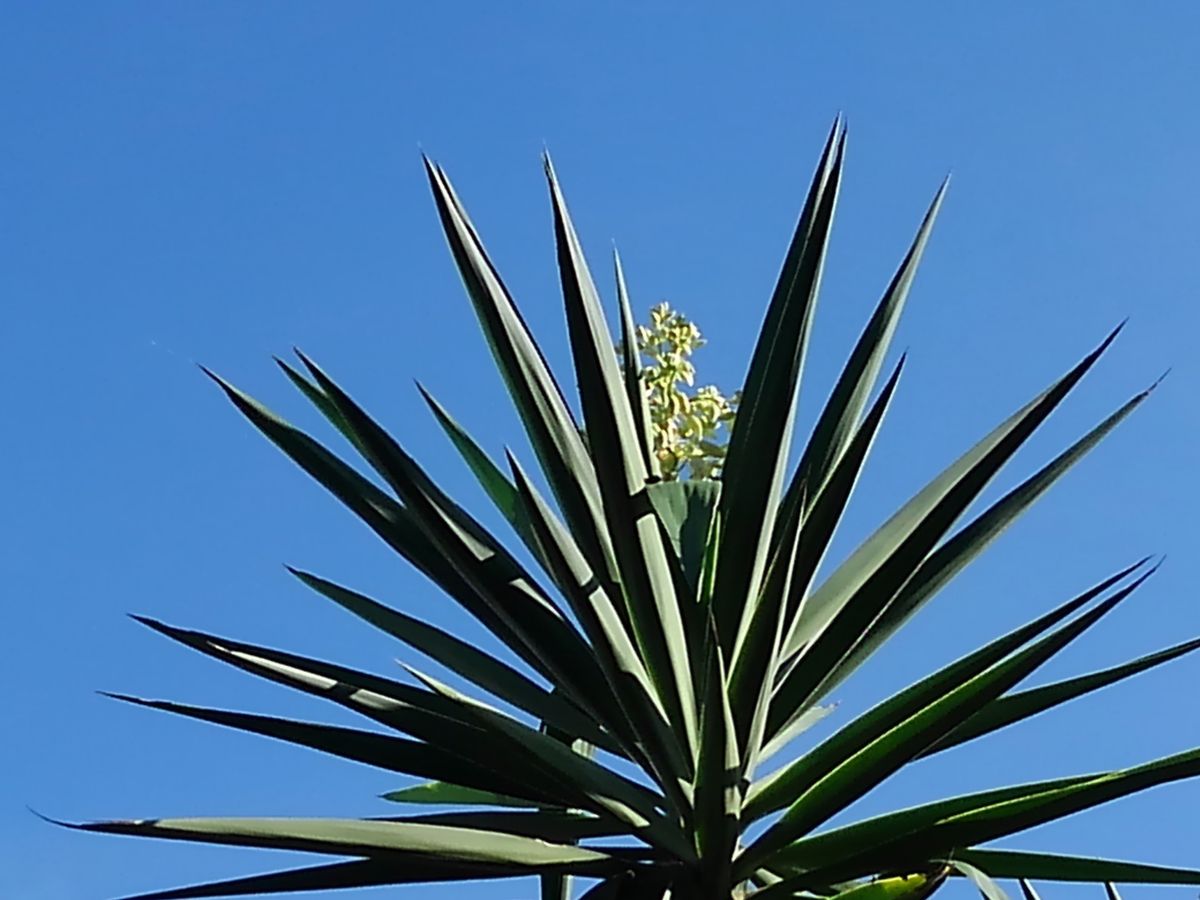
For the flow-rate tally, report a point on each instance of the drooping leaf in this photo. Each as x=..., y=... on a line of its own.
x=982, y=880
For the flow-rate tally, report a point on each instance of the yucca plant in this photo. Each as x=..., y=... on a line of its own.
x=687, y=637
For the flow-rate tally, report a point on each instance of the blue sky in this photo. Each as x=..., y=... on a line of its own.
x=217, y=182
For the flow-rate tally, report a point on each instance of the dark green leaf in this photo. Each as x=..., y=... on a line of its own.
x=439, y=793
x=398, y=841
x=858, y=841
x=788, y=783
x=387, y=518
x=838, y=614
x=545, y=634
x=1050, y=867
x=644, y=722
x=754, y=469
x=466, y=660
x=718, y=773
x=857, y=773
x=631, y=371
x=956, y=553
x=839, y=418
x=603, y=791
x=552, y=430
x=392, y=754
x=686, y=509
x=616, y=450
x=493, y=481
x=1026, y=704
x=788, y=585
x=335, y=876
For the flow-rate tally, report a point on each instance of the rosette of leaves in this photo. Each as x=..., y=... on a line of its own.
x=671, y=637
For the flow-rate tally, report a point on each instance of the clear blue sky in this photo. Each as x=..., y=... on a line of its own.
x=215, y=182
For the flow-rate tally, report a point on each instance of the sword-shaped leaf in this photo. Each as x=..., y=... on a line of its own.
x=382, y=751
x=494, y=482
x=605, y=791
x=956, y=553
x=839, y=418
x=839, y=785
x=411, y=710
x=386, y=517
x=616, y=450
x=975, y=820
x=497, y=577
x=784, y=786
x=559, y=826
x=440, y=793
x=757, y=458
x=794, y=727
x=335, y=876
x=1003, y=819
x=1053, y=867
x=318, y=399
x=859, y=591
x=644, y=723
x=718, y=773
x=851, y=848
x=551, y=428
x=899, y=546
x=480, y=668
x=1026, y=704
x=375, y=839
x=631, y=371
x=779, y=611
